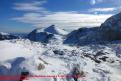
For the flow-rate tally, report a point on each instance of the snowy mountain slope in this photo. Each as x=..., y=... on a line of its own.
x=109, y=31
x=83, y=36
x=46, y=34
x=111, y=28
x=13, y=50
x=60, y=60
x=41, y=36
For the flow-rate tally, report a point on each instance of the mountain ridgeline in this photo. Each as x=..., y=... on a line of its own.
x=109, y=31
x=45, y=34
x=6, y=36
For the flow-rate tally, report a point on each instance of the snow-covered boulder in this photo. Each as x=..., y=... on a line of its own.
x=45, y=34
x=111, y=28
x=6, y=36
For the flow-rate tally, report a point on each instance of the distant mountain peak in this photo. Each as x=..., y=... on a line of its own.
x=3, y=33
x=52, y=30
x=111, y=28
x=6, y=36
x=46, y=34
x=55, y=30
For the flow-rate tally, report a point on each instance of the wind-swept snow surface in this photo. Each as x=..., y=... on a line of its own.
x=96, y=62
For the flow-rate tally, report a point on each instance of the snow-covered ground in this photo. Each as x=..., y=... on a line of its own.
x=53, y=59
x=59, y=59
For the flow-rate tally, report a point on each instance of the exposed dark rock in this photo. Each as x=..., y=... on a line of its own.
x=43, y=61
x=92, y=58
x=58, y=52
x=103, y=58
x=76, y=73
x=99, y=53
x=41, y=66
x=24, y=76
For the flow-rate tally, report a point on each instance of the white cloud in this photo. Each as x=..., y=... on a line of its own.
x=63, y=19
x=102, y=9
x=111, y=2
x=111, y=6
x=35, y=6
x=60, y=19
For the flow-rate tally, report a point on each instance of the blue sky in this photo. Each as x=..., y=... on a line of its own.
x=25, y=15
